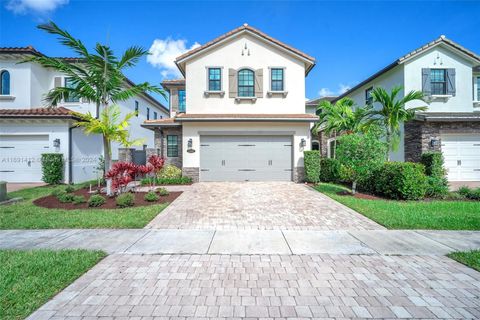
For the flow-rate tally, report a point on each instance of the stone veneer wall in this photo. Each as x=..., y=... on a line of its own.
x=193, y=173
x=418, y=135
x=161, y=145
x=125, y=154
x=298, y=174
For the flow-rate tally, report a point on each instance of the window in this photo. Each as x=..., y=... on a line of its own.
x=155, y=115
x=5, y=82
x=172, y=146
x=368, y=95
x=148, y=113
x=332, y=146
x=478, y=88
x=136, y=108
x=315, y=145
x=246, y=83
x=276, y=79
x=70, y=84
x=438, y=81
x=181, y=101
x=214, y=79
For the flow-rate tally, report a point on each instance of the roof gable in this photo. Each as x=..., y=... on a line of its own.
x=245, y=29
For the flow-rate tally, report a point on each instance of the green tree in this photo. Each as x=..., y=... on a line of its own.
x=393, y=112
x=96, y=77
x=343, y=117
x=361, y=155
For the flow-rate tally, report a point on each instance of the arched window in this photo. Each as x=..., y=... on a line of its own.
x=5, y=82
x=246, y=83
x=315, y=145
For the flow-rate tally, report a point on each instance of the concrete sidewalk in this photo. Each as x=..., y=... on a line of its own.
x=169, y=241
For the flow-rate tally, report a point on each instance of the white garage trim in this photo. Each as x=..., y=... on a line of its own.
x=461, y=153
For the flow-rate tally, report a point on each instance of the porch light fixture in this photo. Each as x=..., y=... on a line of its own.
x=56, y=143
x=434, y=143
x=303, y=143
x=190, y=143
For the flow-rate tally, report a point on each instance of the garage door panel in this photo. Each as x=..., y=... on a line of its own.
x=462, y=157
x=245, y=158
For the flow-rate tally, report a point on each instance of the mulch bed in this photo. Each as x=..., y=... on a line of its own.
x=52, y=202
x=359, y=195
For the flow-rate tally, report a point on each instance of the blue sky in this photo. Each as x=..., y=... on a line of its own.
x=349, y=39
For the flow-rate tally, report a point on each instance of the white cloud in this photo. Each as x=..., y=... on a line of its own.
x=325, y=92
x=34, y=6
x=163, y=53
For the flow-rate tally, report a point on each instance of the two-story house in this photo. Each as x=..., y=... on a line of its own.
x=28, y=128
x=449, y=76
x=239, y=114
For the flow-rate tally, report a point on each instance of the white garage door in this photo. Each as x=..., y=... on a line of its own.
x=20, y=157
x=245, y=158
x=462, y=157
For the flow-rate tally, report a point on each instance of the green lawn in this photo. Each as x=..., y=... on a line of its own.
x=28, y=279
x=440, y=215
x=25, y=215
x=468, y=258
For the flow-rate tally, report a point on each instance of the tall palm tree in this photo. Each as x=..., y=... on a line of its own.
x=393, y=112
x=96, y=77
x=342, y=117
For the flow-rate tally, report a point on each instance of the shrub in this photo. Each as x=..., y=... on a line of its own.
x=163, y=192
x=437, y=187
x=401, y=180
x=79, y=199
x=166, y=181
x=52, y=168
x=66, y=197
x=151, y=197
x=311, y=161
x=361, y=155
x=125, y=200
x=170, y=172
x=69, y=189
x=122, y=173
x=472, y=194
x=96, y=200
x=464, y=191
x=433, y=162
x=57, y=192
x=329, y=170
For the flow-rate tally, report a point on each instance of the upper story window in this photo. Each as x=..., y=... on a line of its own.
x=5, y=82
x=148, y=113
x=214, y=79
x=368, y=96
x=182, y=102
x=136, y=108
x=246, y=83
x=438, y=81
x=69, y=83
x=155, y=115
x=277, y=79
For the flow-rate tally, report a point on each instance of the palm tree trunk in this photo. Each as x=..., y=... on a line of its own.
x=334, y=144
x=107, y=153
x=389, y=142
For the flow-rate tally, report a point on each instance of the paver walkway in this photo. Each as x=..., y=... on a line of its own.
x=270, y=287
x=258, y=205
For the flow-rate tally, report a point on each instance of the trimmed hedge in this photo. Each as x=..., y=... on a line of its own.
x=401, y=180
x=330, y=170
x=311, y=161
x=433, y=162
x=166, y=181
x=52, y=168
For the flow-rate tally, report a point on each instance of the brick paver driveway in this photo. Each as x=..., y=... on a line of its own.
x=258, y=205
x=268, y=287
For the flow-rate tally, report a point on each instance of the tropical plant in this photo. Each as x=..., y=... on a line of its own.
x=96, y=77
x=343, y=117
x=121, y=174
x=393, y=112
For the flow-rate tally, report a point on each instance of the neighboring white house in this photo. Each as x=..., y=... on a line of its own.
x=28, y=129
x=239, y=115
x=449, y=76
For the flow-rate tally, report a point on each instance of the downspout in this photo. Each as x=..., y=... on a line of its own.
x=70, y=166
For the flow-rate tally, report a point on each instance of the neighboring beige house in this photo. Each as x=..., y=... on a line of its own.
x=239, y=115
x=449, y=76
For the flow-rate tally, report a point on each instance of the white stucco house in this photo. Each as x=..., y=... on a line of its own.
x=28, y=128
x=449, y=76
x=239, y=113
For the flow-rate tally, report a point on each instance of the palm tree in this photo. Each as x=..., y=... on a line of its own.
x=96, y=77
x=393, y=112
x=342, y=117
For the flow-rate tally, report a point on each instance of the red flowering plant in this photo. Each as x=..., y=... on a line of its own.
x=155, y=163
x=121, y=174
